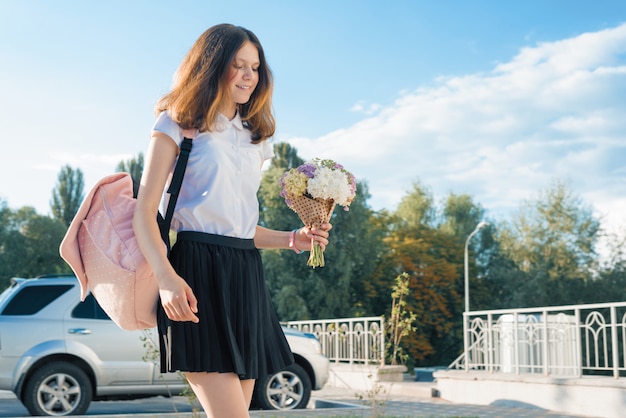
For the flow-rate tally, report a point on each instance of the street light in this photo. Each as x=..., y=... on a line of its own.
x=478, y=227
x=466, y=314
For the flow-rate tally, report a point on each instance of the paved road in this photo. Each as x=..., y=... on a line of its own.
x=399, y=403
x=403, y=400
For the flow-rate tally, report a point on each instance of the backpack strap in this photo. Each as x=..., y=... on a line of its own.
x=174, y=188
x=177, y=179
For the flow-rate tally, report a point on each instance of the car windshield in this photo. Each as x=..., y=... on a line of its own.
x=6, y=294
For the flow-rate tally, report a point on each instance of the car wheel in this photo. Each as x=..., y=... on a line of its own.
x=287, y=389
x=57, y=389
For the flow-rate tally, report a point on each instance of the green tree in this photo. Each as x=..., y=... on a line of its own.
x=417, y=207
x=67, y=194
x=420, y=244
x=29, y=244
x=133, y=166
x=615, y=249
x=501, y=277
x=609, y=285
x=460, y=216
x=552, y=240
x=42, y=236
x=423, y=253
x=8, y=259
x=286, y=156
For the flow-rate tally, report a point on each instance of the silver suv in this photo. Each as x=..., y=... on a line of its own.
x=58, y=354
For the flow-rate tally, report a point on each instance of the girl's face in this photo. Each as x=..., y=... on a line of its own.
x=243, y=77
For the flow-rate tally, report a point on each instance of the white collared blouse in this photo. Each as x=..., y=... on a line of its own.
x=219, y=191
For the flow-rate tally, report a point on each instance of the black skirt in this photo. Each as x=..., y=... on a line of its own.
x=238, y=330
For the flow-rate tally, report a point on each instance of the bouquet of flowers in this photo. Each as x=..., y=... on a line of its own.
x=312, y=190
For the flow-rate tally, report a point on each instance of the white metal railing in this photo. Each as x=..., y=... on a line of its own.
x=558, y=340
x=348, y=340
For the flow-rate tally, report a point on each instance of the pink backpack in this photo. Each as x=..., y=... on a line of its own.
x=101, y=248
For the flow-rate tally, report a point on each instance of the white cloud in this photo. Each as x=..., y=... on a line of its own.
x=554, y=111
x=367, y=109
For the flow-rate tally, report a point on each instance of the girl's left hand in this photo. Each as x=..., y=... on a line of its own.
x=319, y=235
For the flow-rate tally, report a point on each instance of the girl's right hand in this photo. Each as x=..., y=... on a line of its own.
x=178, y=300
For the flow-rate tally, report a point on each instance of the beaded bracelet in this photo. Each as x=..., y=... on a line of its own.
x=292, y=242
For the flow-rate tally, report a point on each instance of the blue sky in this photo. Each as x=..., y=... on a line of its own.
x=497, y=99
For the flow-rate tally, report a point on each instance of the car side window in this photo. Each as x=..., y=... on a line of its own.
x=32, y=299
x=89, y=309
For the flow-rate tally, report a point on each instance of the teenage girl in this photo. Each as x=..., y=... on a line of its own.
x=215, y=319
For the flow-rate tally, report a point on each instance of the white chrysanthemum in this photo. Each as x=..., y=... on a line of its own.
x=330, y=184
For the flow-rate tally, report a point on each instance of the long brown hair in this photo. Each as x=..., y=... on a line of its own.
x=199, y=84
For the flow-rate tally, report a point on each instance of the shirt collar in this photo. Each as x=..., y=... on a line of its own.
x=224, y=121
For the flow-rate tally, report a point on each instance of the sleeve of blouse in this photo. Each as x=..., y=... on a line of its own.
x=169, y=127
x=268, y=150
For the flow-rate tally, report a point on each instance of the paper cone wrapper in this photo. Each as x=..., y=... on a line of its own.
x=313, y=212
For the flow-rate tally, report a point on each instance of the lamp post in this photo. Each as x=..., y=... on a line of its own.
x=478, y=227
x=466, y=313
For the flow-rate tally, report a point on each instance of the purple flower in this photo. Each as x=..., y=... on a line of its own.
x=308, y=170
x=352, y=183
